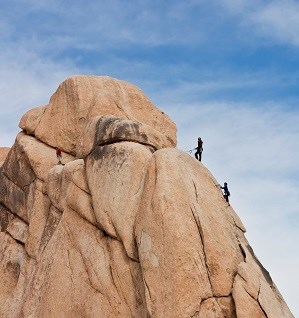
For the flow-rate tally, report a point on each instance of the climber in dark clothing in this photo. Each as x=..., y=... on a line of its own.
x=199, y=149
x=226, y=192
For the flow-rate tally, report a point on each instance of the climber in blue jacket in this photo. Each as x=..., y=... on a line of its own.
x=226, y=192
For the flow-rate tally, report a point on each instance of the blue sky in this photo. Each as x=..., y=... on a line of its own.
x=227, y=70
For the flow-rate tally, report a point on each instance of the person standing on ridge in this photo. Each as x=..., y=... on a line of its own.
x=226, y=192
x=199, y=149
x=58, y=155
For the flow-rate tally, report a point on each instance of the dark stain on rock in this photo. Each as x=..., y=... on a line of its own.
x=121, y=157
x=123, y=130
x=50, y=227
x=151, y=148
x=3, y=189
x=14, y=268
x=144, y=137
x=102, y=128
x=17, y=166
x=112, y=129
x=3, y=218
x=136, y=131
x=101, y=151
x=242, y=251
x=118, y=155
x=12, y=197
x=171, y=141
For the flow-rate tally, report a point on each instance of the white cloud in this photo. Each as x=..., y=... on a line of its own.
x=110, y=24
x=279, y=19
x=272, y=20
x=26, y=81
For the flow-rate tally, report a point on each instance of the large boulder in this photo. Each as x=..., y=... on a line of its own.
x=83, y=273
x=80, y=98
x=121, y=167
x=184, y=231
x=127, y=226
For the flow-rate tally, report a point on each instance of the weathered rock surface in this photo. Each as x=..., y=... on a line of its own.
x=103, y=130
x=80, y=98
x=127, y=227
x=3, y=154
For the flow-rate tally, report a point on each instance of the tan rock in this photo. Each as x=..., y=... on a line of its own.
x=272, y=303
x=121, y=167
x=4, y=218
x=103, y=130
x=61, y=178
x=252, y=261
x=80, y=98
x=81, y=202
x=182, y=208
x=90, y=276
x=170, y=247
x=55, y=191
x=17, y=228
x=16, y=273
x=246, y=306
x=31, y=119
x=227, y=306
x=253, y=282
x=41, y=157
x=52, y=222
x=39, y=211
x=63, y=192
x=249, y=278
x=77, y=169
x=13, y=253
x=128, y=231
x=12, y=197
x=17, y=167
x=210, y=309
x=128, y=278
x=3, y=154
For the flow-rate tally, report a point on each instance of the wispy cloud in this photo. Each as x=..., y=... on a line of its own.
x=274, y=21
x=26, y=81
x=279, y=20
x=110, y=24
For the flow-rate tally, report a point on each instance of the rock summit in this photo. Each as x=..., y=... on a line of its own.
x=129, y=226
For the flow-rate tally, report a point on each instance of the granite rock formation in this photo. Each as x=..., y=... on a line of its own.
x=129, y=226
x=3, y=154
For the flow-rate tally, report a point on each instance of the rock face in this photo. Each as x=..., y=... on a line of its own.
x=129, y=226
x=78, y=99
x=3, y=154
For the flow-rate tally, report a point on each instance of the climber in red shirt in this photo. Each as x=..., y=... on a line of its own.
x=59, y=155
